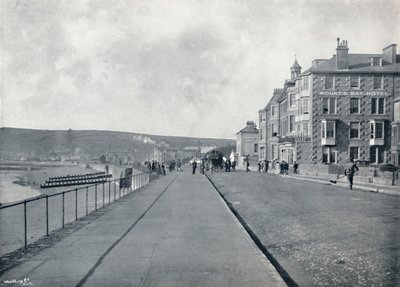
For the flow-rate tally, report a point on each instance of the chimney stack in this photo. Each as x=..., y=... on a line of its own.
x=342, y=55
x=389, y=54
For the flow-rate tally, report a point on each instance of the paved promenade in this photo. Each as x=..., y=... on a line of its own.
x=177, y=231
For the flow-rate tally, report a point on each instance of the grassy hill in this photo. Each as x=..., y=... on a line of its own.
x=15, y=143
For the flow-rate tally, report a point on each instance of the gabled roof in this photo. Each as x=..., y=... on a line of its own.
x=248, y=129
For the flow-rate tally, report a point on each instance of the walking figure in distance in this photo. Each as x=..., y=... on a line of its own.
x=194, y=166
x=247, y=165
x=349, y=171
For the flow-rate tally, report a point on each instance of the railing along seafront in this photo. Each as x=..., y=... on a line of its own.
x=75, y=203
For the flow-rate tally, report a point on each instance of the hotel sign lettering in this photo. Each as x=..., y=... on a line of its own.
x=353, y=93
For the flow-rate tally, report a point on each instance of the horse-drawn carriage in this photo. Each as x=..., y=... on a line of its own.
x=216, y=160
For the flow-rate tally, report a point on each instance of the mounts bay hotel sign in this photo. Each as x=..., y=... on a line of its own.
x=353, y=93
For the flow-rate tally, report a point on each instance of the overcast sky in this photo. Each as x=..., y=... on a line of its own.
x=172, y=67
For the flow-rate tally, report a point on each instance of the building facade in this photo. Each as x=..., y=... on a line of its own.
x=247, y=143
x=344, y=107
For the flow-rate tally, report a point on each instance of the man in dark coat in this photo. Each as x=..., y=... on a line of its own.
x=194, y=166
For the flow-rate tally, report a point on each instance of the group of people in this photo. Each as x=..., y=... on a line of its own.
x=280, y=167
x=159, y=168
x=230, y=165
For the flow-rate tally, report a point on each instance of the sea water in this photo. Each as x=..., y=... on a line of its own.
x=10, y=191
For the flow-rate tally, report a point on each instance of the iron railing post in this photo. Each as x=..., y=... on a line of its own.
x=87, y=200
x=109, y=192
x=103, y=194
x=63, y=209
x=47, y=215
x=25, y=226
x=115, y=193
x=76, y=204
x=95, y=197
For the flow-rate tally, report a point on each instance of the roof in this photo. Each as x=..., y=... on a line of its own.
x=295, y=65
x=248, y=129
x=358, y=63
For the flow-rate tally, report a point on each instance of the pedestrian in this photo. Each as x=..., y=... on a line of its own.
x=163, y=169
x=178, y=164
x=247, y=165
x=277, y=167
x=266, y=166
x=194, y=166
x=349, y=171
x=295, y=167
x=233, y=165
x=259, y=166
x=229, y=165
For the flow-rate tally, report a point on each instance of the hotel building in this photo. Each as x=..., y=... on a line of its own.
x=344, y=107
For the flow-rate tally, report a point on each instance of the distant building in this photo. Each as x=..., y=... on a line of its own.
x=247, y=143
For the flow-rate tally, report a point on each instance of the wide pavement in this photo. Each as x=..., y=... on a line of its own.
x=177, y=231
x=321, y=234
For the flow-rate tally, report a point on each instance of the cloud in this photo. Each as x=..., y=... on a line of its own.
x=197, y=68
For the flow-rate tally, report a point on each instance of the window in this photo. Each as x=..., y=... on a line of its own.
x=354, y=152
x=354, y=105
x=378, y=82
x=327, y=129
x=261, y=134
x=354, y=81
x=329, y=105
x=354, y=130
x=330, y=129
x=397, y=112
x=274, y=130
x=377, y=130
x=274, y=111
x=378, y=106
x=291, y=123
x=305, y=129
x=255, y=147
x=376, y=155
x=292, y=100
x=284, y=127
x=283, y=107
x=329, y=82
x=329, y=155
x=305, y=106
x=376, y=61
x=305, y=84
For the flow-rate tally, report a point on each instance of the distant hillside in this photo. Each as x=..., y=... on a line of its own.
x=15, y=143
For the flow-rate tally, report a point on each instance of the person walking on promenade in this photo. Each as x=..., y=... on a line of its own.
x=247, y=165
x=277, y=167
x=295, y=167
x=233, y=165
x=194, y=166
x=266, y=166
x=349, y=171
x=163, y=168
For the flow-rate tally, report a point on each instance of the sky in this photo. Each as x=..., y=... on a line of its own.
x=169, y=67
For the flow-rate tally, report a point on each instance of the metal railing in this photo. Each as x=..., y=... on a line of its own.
x=59, y=208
